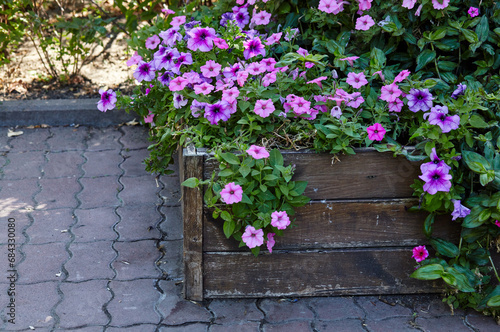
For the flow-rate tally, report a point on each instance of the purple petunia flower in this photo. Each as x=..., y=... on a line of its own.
x=197, y=107
x=231, y=71
x=436, y=179
x=242, y=17
x=221, y=110
x=182, y=59
x=145, y=71
x=152, y=42
x=459, y=91
x=253, y=47
x=108, y=100
x=438, y=116
x=166, y=77
x=459, y=211
x=170, y=36
x=435, y=162
x=165, y=60
x=201, y=39
x=419, y=100
x=226, y=17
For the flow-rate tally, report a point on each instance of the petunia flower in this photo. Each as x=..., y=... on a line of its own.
x=231, y=71
x=253, y=237
x=459, y=211
x=257, y=152
x=409, y=3
x=365, y=4
x=197, y=107
x=230, y=95
x=134, y=59
x=390, y=92
x=269, y=63
x=226, y=17
x=171, y=36
x=473, y=12
x=165, y=78
x=152, y=42
x=280, y=219
x=261, y=18
x=331, y=6
x=440, y=4
x=253, y=47
x=438, y=116
x=268, y=79
x=436, y=179
x=318, y=81
x=210, y=69
x=401, y=76
x=497, y=223
x=241, y=77
x=149, y=117
x=364, y=22
x=357, y=100
x=289, y=35
x=221, y=110
x=270, y=241
x=203, y=88
x=232, y=193
x=144, y=71
x=356, y=80
x=419, y=100
x=178, y=21
x=221, y=43
x=350, y=59
x=376, y=132
x=420, y=253
x=459, y=91
x=255, y=68
x=178, y=84
x=434, y=163
x=274, y=38
x=242, y=17
x=264, y=108
x=108, y=100
x=201, y=39
x=179, y=101
x=396, y=105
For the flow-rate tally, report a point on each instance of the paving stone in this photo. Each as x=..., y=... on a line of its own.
x=24, y=165
x=229, y=311
x=12, y=227
x=57, y=193
x=134, y=162
x=42, y=262
x=172, y=223
x=138, y=223
x=442, y=324
x=240, y=327
x=89, y=329
x=82, y=303
x=335, y=308
x=99, y=192
x=400, y=324
x=140, y=190
x=196, y=327
x=16, y=196
x=95, y=224
x=177, y=310
x=90, y=261
x=100, y=139
x=171, y=193
x=301, y=326
x=133, y=303
x=63, y=164
x=376, y=309
x=67, y=138
x=135, y=137
x=136, y=328
x=50, y=226
x=33, y=306
x=4, y=139
x=102, y=163
x=343, y=325
x=31, y=140
x=482, y=322
x=136, y=260
x=171, y=262
x=433, y=308
x=284, y=311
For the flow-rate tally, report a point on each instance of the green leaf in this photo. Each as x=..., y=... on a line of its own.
x=300, y=187
x=245, y=170
x=275, y=158
x=445, y=248
x=255, y=251
x=225, y=216
x=457, y=279
x=428, y=272
x=482, y=29
x=270, y=177
x=424, y=58
x=487, y=177
x=245, y=199
x=429, y=221
x=477, y=121
x=191, y=183
x=494, y=301
x=263, y=188
x=228, y=227
x=470, y=36
x=475, y=161
x=472, y=219
x=226, y=172
x=230, y=158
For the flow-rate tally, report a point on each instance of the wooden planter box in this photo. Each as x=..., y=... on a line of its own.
x=354, y=238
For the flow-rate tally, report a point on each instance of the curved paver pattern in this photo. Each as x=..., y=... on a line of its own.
x=99, y=248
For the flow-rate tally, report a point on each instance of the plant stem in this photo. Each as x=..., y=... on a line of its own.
x=494, y=268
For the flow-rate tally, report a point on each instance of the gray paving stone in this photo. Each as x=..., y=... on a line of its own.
x=240, y=327
x=343, y=325
x=133, y=303
x=134, y=162
x=31, y=140
x=403, y=324
x=230, y=311
x=50, y=226
x=171, y=193
x=138, y=224
x=33, y=305
x=17, y=195
x=82, y=304
x=63, y=164
x=196, y=327
x=102, y=163
x=377, y=310
x=335, y=308
x=299, y=326
x=87, y=329
x=99, y=192
x=280, y=311
x=100, y=139
x=135, y=137
x=57, y=193
x=95, y=224
x=90, y=261
x=136, y=328
x=433, y=308
x=482, y=322
x=171, y=263
x=136, y=260
x=171, y=226
x=24, y=165
x=42, y=263
x=443, y=324
x=140, y=190
x=4, y=139
x=67, y=138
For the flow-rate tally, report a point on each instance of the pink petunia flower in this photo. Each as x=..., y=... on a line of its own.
x=210, y=69
x=178, y=21
x=134, y=59
x=268, y=63
x=253, y=237
x=318, y=81
x=473, y=11
x=152, y=42
x=396, y=106
x=364, y=22
x=230, y=95
x=440, y=4
x=390, y=92
x=204, y=88
x=274, y=38
x=264, y=108
x=258, y=152
x=365, y=4
x=350, y=59
x=261, y=18
x=253, y=47
x=232, y=193
x=241, y=77
x=178, y=84
x=280, y=219
x=356, y=101
x=401, y=76
x=221, y=43
x=409, y=3
x=255, y=68
x=356, y=80
x=420, y=253
x=376, y=132
x=201, y=39
x=167, y=11
x=380, y=74
x=149, y=117
x=331, y=6
x=268, y=79
x=270, y=241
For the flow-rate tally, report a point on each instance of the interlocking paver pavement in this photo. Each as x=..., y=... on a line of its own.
x=99, y=248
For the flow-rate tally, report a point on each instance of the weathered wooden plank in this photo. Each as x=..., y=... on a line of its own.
x=313, y=273
x=367, y=174
x=345, y=224
x=192, y=214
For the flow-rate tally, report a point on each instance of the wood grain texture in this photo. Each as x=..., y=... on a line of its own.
x=344, y=224
x=367, y=174
x=313, y=273
x=192, y=214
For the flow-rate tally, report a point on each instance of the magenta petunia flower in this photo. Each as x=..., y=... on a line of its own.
x=144, y=71
x=211, y=69
x=221, y=43
x=253, y=47
x=497, y=223
x=364, y=22
x=152, y=42
x=390, y=92
x=269, y=64
x=300, y=106
x=257, y=152
x=261, y=18
x=401, y=76
x=253, y=237
x=201, y=39
x=221, y=110
x=264, y=108
x=436, y=179
x=204, y=88
x=440, y=4
x=409, y=3
x=170, y=36
x=376, y=132
x=280, y=219
x=356, y=80
x=231, y=71
x=182, y=59
x=270, y=241
x=178, y=21
x=438, y=116
x=134, y=59
x=419, y=100
x=274, y=38
x=108, y=100
x=178, y=84
x=232, y=193
x=420, y=253
x=459, y=211
x=473, y=11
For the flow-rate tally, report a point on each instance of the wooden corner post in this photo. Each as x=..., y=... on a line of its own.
x=192, y=214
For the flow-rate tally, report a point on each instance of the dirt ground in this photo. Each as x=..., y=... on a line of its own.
x=26, y=78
